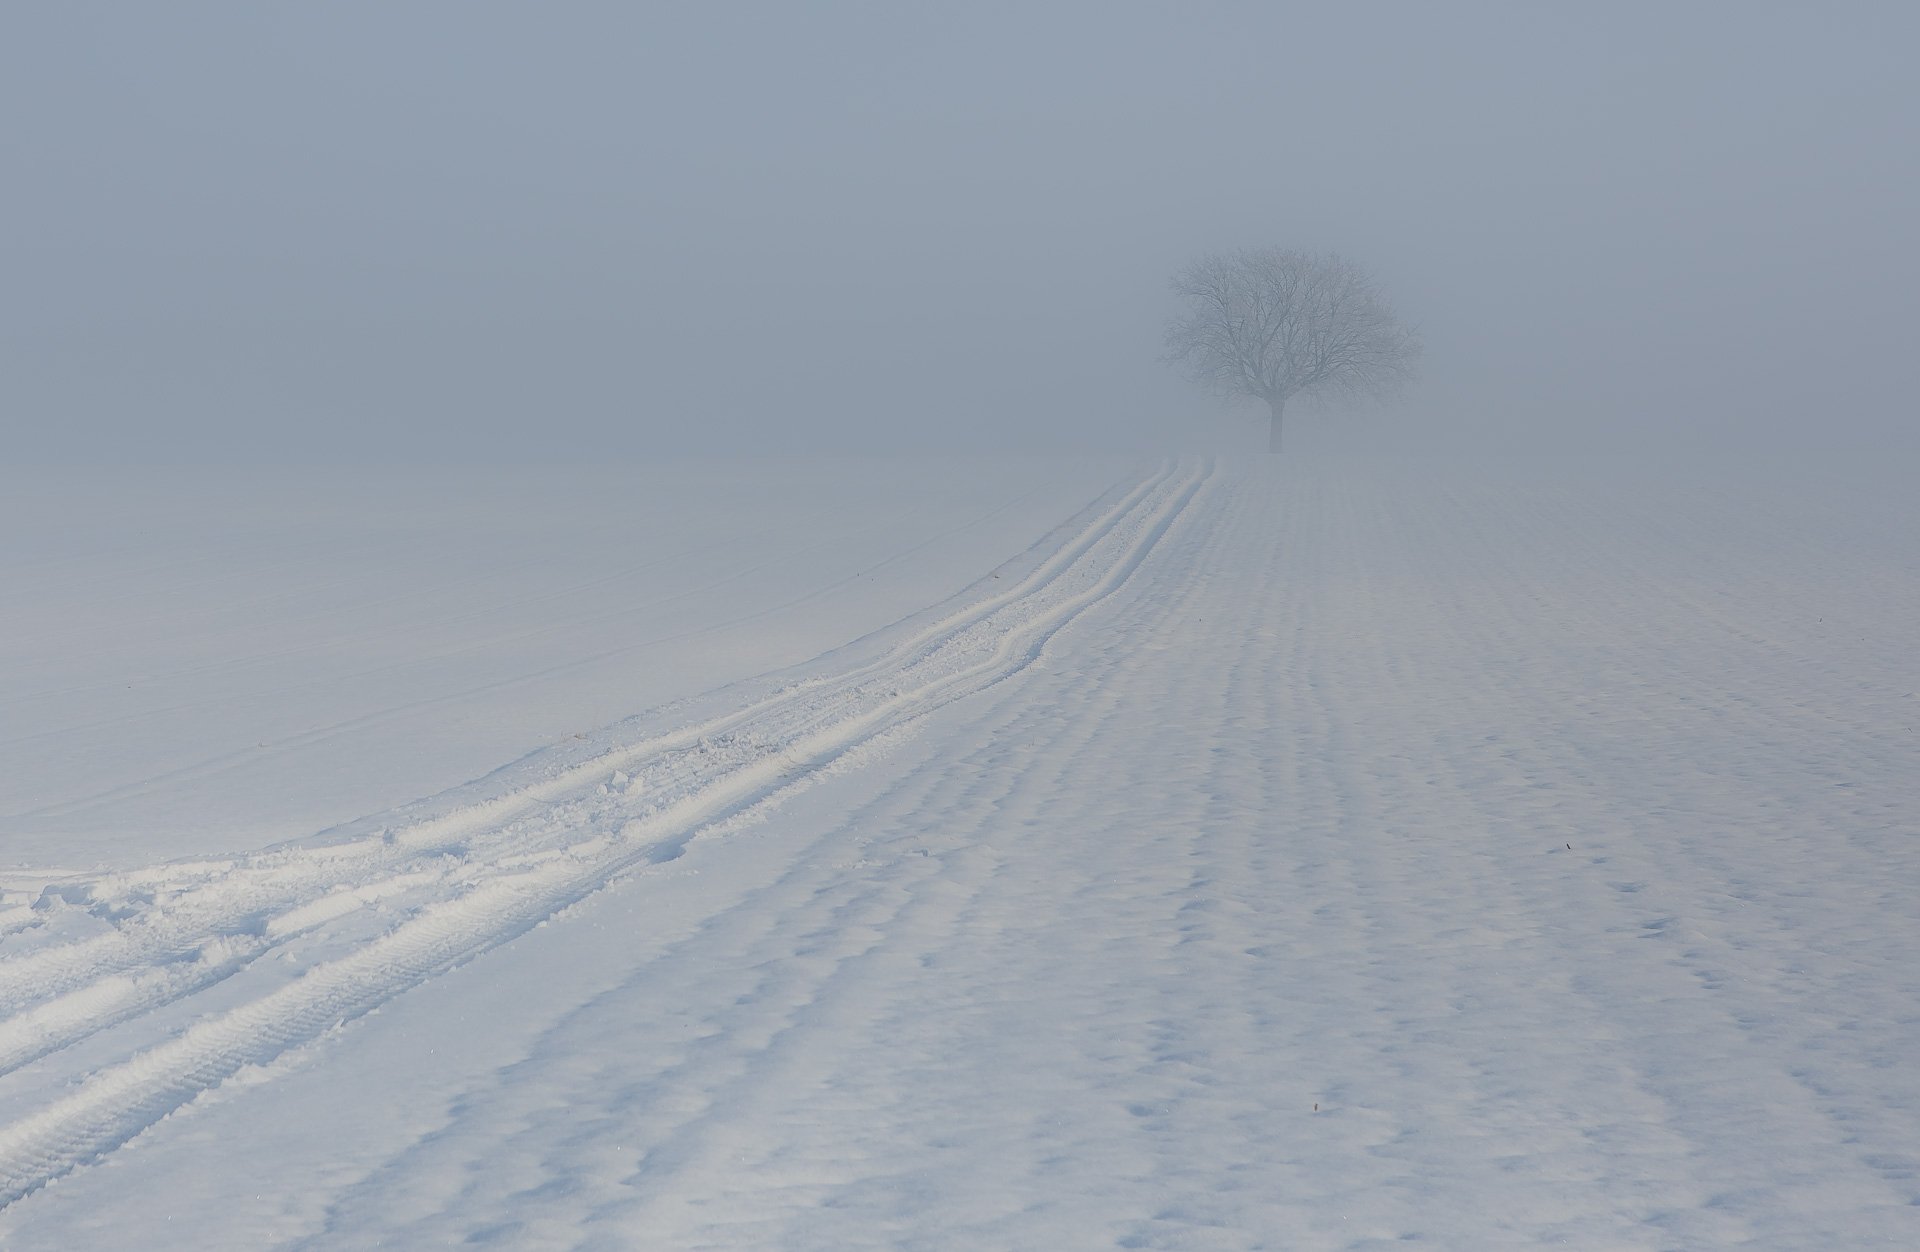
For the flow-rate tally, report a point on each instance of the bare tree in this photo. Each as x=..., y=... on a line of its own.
x=1271, y=324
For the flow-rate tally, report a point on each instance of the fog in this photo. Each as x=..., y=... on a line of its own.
x=484, y=231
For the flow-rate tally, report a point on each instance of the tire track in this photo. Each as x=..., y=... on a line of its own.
x=508, y=863
x=239, y=892
x=251, y=896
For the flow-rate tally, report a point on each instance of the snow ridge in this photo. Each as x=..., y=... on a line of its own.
x=404, y=905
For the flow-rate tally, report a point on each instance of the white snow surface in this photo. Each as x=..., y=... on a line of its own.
x=226, y=659
x=1320, y=855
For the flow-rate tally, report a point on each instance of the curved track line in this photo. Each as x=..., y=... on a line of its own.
x=229, y=899
x=687, y=782
x=279, y=878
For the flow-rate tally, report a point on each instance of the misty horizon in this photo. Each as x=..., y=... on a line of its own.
x=484, y=233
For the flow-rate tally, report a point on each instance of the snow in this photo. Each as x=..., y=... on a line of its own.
x=1328, y=855
x=222, y=660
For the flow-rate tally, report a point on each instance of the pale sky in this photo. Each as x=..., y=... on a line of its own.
x=490, y=231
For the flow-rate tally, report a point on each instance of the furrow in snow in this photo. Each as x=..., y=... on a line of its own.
x=768, y=750
x=247, y=907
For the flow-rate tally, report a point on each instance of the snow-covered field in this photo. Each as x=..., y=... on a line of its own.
x=1315, y=856
x=220, y=660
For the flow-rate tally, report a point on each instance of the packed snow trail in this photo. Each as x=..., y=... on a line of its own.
x=1304, y=861
x=668, y=789
x=194, y=660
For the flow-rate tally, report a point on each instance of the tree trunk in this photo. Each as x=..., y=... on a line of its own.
x=1273, y=432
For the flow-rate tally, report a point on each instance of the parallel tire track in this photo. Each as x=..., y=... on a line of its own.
x=512, y=875
x=239, y=910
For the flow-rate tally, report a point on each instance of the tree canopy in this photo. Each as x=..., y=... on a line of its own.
x=1271, y=324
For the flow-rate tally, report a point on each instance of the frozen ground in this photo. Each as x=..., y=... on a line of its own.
x=1329, y=857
